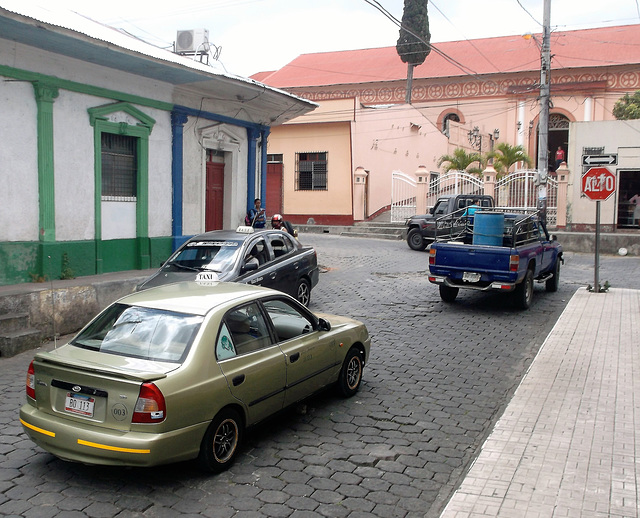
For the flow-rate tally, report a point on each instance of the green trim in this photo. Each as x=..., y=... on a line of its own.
x=99, y=119
x=34, y=261
x=72, y=86
x=45, y=95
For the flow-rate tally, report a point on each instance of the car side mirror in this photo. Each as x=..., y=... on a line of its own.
x=431, y=210
x=324, y=325
x=554, y=237
x=251, y=265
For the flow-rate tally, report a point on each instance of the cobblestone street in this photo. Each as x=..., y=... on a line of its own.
x=437, y=380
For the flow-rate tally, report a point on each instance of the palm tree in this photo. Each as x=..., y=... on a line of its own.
x=460, y=161
x=505, y=155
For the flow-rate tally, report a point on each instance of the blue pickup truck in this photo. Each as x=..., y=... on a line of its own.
x=499, y=251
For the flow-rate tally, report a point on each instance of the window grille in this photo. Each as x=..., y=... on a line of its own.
x=119, y=167
x=311, y=171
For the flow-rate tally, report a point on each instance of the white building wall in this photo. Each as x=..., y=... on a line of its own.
x=160, y=186
x=620, y=137
x=74, y=166
x=74, y=161
x=18, y=169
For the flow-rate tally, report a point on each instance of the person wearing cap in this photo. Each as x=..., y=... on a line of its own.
x=278, y=223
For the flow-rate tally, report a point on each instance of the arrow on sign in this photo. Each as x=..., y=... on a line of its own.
x=599, y=159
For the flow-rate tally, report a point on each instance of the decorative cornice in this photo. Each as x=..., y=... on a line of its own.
x=427, y=90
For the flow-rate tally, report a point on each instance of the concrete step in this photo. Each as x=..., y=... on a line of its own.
x=16, y=342
x=374, y=235
x=373, y=229
x=13, y=322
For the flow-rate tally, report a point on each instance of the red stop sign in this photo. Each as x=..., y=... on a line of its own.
x=598, y=183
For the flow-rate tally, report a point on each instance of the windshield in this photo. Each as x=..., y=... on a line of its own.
x=215, y=256
x=150, y=334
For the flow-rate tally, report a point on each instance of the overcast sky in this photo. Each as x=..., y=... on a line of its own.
x=259, y=35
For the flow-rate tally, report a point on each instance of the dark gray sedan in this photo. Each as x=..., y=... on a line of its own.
x=269, y=258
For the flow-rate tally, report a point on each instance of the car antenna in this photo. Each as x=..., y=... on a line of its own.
x=53, y=307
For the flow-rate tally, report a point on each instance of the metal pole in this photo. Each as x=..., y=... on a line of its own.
x=596, y=280
x=543, y=124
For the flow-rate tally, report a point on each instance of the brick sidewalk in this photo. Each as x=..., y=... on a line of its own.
x=566, y=444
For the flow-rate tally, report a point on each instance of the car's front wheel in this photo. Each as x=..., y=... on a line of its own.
x=415, y=241
x=221, y=441
x=351, y=373
x=303, y=293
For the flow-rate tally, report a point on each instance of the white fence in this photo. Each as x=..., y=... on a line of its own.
x=403, y=196
x=517, y=190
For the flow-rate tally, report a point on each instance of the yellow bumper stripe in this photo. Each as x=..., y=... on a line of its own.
x=40, y=430
x=111, y=448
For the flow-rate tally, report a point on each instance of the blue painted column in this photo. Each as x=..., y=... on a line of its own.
x=252, y=137
x=263, y=159
x=178, y=120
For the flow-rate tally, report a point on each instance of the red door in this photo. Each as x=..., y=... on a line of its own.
x=274, y=188
x=214, y=196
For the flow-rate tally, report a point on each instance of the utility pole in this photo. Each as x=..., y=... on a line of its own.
x=543, y=123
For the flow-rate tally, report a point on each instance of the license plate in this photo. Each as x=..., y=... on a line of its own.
x=471, y=277
x=79, y=404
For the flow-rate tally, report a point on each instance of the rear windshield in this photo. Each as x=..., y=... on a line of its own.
x=137, y=332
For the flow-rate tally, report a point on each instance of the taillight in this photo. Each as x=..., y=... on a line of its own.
x=432, y=256
x=31, y=382
x=150, y=407
x=514, y=262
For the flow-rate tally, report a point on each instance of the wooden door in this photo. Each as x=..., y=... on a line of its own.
x=214, y=196
x=273, y=203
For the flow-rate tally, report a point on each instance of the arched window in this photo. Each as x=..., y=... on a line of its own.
x=445, y=121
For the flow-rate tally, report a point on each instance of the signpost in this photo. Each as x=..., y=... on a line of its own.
x=598, y=184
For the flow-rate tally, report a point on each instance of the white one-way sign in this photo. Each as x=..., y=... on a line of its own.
x=610, y=159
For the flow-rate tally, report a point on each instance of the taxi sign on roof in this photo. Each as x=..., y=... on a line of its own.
x=242, y=229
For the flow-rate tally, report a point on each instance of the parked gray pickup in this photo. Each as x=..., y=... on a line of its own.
x=423, y=229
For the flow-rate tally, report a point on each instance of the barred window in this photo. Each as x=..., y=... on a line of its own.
x=119, y=166
x=311, y=171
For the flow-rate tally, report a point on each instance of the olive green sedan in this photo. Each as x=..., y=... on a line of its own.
x=178, y=372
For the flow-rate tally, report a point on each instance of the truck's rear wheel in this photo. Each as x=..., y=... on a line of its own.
x=524, y=291
x=447, y=293
x=415, y=241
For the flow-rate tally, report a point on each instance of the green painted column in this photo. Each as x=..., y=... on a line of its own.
x=45, y=95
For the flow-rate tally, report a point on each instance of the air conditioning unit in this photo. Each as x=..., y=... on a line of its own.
x=195, y=40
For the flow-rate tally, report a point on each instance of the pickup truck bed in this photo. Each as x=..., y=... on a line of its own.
x=522, y=254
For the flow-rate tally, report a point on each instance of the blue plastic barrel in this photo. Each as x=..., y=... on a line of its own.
x=488, y=228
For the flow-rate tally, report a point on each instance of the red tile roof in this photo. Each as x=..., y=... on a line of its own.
x=601, y=47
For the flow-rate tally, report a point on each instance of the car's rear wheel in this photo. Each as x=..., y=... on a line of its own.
x=415, y=241
x=351, y=373
x=524, y=291
x=553, y=283
x=447, y=293
x=221, y=441
x=303, y=293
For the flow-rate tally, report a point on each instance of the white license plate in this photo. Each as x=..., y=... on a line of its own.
x=471, y=277
x=79, y=404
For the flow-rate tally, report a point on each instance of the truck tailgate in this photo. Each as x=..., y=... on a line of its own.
x=453, y=259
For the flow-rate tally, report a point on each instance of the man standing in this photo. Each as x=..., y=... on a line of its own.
x=256, y=215
x=559, y=157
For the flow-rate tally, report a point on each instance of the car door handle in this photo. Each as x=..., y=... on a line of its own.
x=273, y=275
x=294, y=357
x=238, y=380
